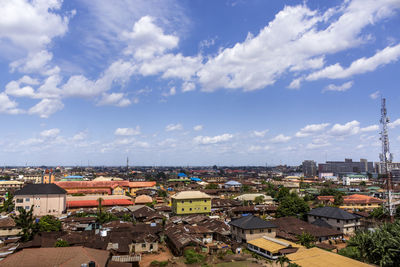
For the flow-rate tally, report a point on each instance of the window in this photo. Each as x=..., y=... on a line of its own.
x=190, y=201
x=183, y=209
x=143, y=245
x=269, y=230
x=261, y=230
x=205, y=200
x=190, y=209
x=251, y=232
x=20, y=200
x=338, y=228
x=183, y=201
x=242, y=231
x=338, y=221
x=27, y=199
x=205, y=208
x=27, y=207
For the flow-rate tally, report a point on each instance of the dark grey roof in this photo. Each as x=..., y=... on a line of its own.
x=252, y=222
x=322, y=223
x=332, y=212
x=40, y=189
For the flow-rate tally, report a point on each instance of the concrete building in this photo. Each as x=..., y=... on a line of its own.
x=309, y=168
x=346, y=166
x=46, y=199
x=190, y=202
x=251, y=227
x=335, y=218
x=354, y=179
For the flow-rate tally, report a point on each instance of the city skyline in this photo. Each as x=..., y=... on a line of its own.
x=196, y=83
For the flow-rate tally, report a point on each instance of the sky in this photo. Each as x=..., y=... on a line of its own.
x=194, y=82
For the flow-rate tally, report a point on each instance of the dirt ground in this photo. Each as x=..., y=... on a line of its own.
x=161, y=256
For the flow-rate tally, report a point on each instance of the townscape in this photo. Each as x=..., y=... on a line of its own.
x=151, y=216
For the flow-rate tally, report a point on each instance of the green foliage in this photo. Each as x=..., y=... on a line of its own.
x=78, y=194
x=26, y=222
x=259, y=200
x=380, y=247
x=282, y=193
x=363, y=183
x=159, y=263
x=292, y=264
x=306, y=240
x=329, y=192
x=211, y=186
x=292, y=205
x=49, y=223
x=192, y=257
x=126, y=217
x=104, y=217
x=162, y=193
x=378, y=213
x=282, y=260
x=270, y=189
x=61, y=243
x=8, y=204
x=245, y=188
x=338, y=200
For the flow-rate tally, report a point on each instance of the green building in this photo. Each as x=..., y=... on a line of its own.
x=190, y=202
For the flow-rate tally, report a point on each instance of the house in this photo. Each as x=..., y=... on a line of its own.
x=253, y=197
x=143, y=199
x=272, y=248
x=233, y=185
x=354, y=202
x=147, y=215
x=190, y=202
x=354, y=179
x=46, y=199
x=144, y=242
x=251, y=227
x=336, y=218
x=290, y=228
x=61, y=256
x=8, y=228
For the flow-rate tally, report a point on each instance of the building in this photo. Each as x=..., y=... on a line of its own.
x=346, y=166
x=190, y=202
x=272, y=248
x=11, y=185
x=143, y=199
x=309, y=168
x=354, y=202
x=336, y=218
x=233, y=185
x=45, y=199
x=354, y=179
x=252, y=197
x=8, y=228
x=251, y=227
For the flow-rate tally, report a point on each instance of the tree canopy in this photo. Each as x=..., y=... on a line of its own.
x=49, y=223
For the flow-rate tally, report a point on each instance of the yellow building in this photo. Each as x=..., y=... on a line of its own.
x=49, y=178
x=191, y=202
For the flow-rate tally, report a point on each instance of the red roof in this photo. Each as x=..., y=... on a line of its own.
x=102, y=184
x=88, y=191
x=141, y=184
x=95, y=203
x=354, y=199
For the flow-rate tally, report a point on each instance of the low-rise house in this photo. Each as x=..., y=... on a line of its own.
x=191, y=202
x=80, y=223
x=8, y=228
x=46, y=199
x=178, y=239
x=336, y=218
x=233, y=185
x=147, y=215
x=354, y=202
x=251, y=227
x=253, y=197
x=144, y=242
x=272, y=248
x=355, y=179
x=143, y=199
x=254, y=209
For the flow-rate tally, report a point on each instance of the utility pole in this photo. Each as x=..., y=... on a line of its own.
x=386, y=157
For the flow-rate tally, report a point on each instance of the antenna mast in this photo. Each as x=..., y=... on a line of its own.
x=386, y=157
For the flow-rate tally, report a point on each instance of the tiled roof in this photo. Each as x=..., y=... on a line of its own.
x=94, y=203
x=40, y=189
x=332, y=212
x=252, y=222
x=143, y=199
x=296, y=227
x=354, y=199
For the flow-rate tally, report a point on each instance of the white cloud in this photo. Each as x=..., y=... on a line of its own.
x=297, y=39
x=317, y=144
x=188, y=86
x=7, y=105
x=13, y=88
x=206, y=140
x=370, y=128
x=80, y=136
x=394, y=124
x=375, y=95
x=174, y=127
x=260, y=133
x=46, y=107
x=51, y=133
x=198, y=127
x=362, y=65
x=254, y=148
x=280, y=139
x=339, y=88
x=114, y=99
x=127, y=131
x=311, y=129
x=349, y=128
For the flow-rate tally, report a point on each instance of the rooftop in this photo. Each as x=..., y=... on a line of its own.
x=40, y=189
x=252, y=222
x=190, y=195
x=332, y=212
x=273, y=245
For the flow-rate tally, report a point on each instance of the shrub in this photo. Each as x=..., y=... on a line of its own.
x=192, y=257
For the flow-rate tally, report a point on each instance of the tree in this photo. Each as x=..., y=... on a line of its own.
x=8, y=204
x=162, y=193
x=192, y=257
x=61, y=243
x=282, y=260
x=49, y=223
x=306, y=239
x=292, y=264
x=378, y=213
x=26, y=222
x=212, y=186
x=292, y=206
x=245, y=188
x=363, y=183
x=282, y=193
x=338, y=200
x=259, y=200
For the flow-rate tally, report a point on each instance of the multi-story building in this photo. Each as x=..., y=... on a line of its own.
x=309, y=168
x=354, y=179
x=10, y=185
x=190, y=202
x=251, y=227
x=335, y=218
x=346, y=166
x=45, y=199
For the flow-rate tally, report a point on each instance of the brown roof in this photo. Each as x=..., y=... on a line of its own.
x=7, y=222
x=50, y=257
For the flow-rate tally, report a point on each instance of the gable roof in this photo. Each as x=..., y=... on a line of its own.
x=252, y=222
x=191, y=195
x=294, y=226
x=332, y=212
x=40, y=189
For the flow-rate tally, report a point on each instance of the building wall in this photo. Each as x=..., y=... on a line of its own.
x=144, y=247
x=191, y=206
x=242, y=235
x=42, y=204
x=12, y=231
x=347, y=227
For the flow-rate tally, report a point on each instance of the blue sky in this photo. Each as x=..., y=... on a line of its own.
x=196, y=82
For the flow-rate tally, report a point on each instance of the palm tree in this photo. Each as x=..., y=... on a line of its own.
x=26, y=221
x=282, y=260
